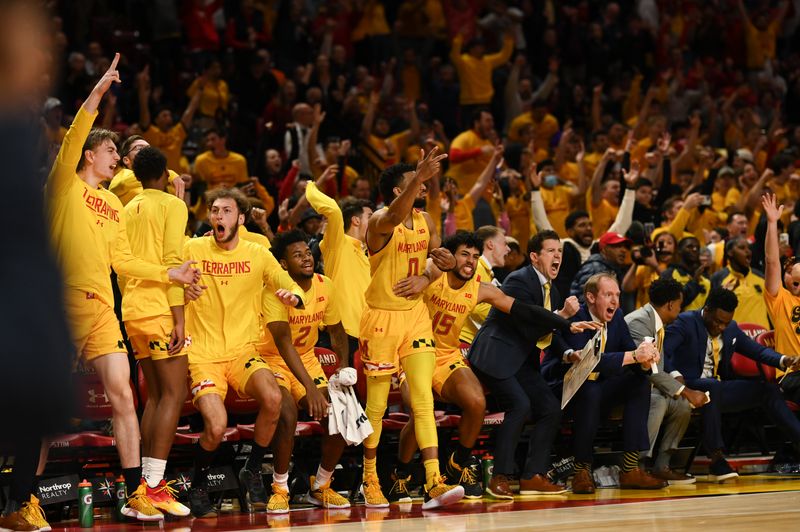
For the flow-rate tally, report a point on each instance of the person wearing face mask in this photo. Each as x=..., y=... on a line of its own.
x=619, y=378
x=612, y=258
x=746, y=283
x=556, y=195
x=691, y=273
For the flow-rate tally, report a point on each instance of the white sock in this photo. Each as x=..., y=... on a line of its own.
x=322, y=478
x=145, y=467
x=155, y=473
x=281, y=479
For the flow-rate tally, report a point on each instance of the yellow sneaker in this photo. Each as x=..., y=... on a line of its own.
x=325, y=497
x=139, y=506
x=371, y=491
x=33, y=513
x=442, y=494
x=163, y=498
x=279, y=501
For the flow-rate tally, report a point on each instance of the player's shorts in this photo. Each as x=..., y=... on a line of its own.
x=446, y=363
x=150, y=337
x=95, y=328
x=286, y=378
x=215, y=377
x=387, y=336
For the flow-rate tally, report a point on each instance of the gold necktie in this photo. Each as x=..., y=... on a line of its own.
x=660, y=340
x=593, y=376
x=544, y=341
x=715, y=347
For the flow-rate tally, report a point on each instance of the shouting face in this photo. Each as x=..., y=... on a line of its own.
x=466, y=262
x=605, y=303
x=225, y=220
x=548, y=260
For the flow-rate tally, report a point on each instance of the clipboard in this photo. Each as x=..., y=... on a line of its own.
x=579, y=372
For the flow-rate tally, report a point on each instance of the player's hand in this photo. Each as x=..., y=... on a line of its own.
x=645, y=354
x=110, y=77
x=193, y=292
x=443, y=259
x=185, y=273
x=571, y=306
x=317, y=404
x=581, y=326
x=429, y=165
x=411, y=286
x=177, y=339
x=695, y=397
x=180, y=187
x=287, y=297
x=771, y=208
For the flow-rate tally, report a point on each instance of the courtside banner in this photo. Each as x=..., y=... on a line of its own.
x=58, y=489
x=219, y=479
x=103, y=490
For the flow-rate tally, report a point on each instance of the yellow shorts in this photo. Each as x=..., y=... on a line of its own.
x=95, y=328
x=214, y=377
x=150, y=337
x=286, y=378
x=446, y=363
x=387, y=336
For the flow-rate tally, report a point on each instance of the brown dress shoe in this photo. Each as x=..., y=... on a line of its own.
x=673, y=478
x=640, y=480
x=583, y=482
x=539, y=485
x=499, y=489
x=15, y=521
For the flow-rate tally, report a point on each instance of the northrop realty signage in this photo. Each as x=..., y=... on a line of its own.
x=58, y=489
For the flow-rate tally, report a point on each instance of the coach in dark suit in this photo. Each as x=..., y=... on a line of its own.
x=619, y=378
x=698, y=348
x=505, y=357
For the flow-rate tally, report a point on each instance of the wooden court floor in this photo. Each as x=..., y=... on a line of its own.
x=755, y=502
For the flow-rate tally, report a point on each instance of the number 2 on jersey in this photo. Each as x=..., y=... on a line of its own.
x=302, y=334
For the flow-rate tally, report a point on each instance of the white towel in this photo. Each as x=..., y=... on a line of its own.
x=347, y=417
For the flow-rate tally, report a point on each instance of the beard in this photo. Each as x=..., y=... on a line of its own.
x=461, y=277
x=234, y=232
x=420, y=203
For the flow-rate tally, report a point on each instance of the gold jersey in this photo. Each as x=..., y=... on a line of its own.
x=404, y=255
x=449, y=308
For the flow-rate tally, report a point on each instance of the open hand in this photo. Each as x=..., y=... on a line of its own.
x=185, y=273
x=411, y=286
x=287, y=297
x=443, y=259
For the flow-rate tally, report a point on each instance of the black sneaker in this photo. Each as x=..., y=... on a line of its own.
x=720, y=470
x=200, y=503
x=399, y=490
x=468, y=476
x=253, y=492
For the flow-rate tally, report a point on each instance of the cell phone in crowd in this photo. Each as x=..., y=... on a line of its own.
x=783, y=239
x=706, y=201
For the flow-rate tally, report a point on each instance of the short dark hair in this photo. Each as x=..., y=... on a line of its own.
x=476, y=114
x=683, y=241
x=353, y=207
x=662, y=291
x=235, y=194
x=573, y=217
x=149, y=164
x=731, y=243
x=96, y=137
x=211, y=130
x=283, y=240
x=720, y=298
x=392, y=177
x=536, y=241
x=642, y=182
x=462, y=238
x=125, y=149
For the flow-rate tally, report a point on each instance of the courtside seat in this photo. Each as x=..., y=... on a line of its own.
x=304, y=428
x=749, y=368
x=493, y=419
x=67, y=441
x=328, y=359
x=182, y=437
x=236, y=404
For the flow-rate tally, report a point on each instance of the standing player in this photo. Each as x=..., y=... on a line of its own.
x=154, y=320
x=396, y=331
x=223, y=324
x=89, y=240
x=451, y=299
x=293, y=333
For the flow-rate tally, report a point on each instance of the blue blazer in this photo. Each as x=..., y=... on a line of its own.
x=686, y=341
x=618, y=341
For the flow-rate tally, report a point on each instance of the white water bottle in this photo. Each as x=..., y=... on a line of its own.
x=653, y=365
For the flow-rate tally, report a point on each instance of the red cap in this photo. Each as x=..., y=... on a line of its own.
x=613, y=239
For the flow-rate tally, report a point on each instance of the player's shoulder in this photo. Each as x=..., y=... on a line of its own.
x=110, y=198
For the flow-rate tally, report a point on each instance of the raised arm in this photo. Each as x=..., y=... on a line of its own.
x=194, y=104
x=143, y=89
x=311, y=148
x=538, y=211
x=772, y=276
x=486, y=176
x=597, y=107
x=502, y=57
x=369, y=117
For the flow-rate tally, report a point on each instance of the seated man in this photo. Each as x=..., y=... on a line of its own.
x=293, y=333
x=611, y=384
x=671, y=402
x=698, y=348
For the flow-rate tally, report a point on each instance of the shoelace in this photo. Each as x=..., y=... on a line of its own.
x=400, y=485
x=33, y=510
x=328, y=494
x=468, y=476
x=372, y=486
x=170, y=491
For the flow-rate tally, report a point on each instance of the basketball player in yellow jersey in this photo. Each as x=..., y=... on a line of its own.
x=126, y=185
x=223, y=324
x=89, y=239
x=297, y=330
x=396, y=331
x=154, y=320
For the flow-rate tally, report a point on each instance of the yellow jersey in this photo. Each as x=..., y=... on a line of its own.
x=155, y=222
x=225, y=321
x=346, y=261
x=170, y=142
x=483, y=274
x=404, y=255
x=256, y=238
x=750, y=291
x=603, y=215
x=557, y=204
x=125, y=186
x=449, y=309
x=389, y=150
x=784, y=311
x=304, y=323
x=86, y=232
x=699, y=300
x=543, y=130
x=467, y=171
x=475, y=74
x=221, y=172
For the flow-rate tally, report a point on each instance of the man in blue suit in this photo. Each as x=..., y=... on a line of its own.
x=619, y=378
x=698, y=348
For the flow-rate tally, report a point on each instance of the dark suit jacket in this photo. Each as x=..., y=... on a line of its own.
x=503, y=342
x=618, y=341
x=570, y=264
x=686, y=341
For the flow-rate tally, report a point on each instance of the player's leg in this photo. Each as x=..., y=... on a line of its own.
x=150, y=409
x=378, y=387
x=215, y=419
x=463, y=389
x=401, y=476
x=282, y=446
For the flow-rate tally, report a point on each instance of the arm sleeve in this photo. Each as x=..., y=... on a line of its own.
x=332, y=315
x=458, y=155
x=174, y=228
x=66, y=163
x=625, y=214
x=539, y=213
x=276, y=277
x=501, y=57
x=673, y=344
x=125, y=264
x=326, y=206
x=751, y=349
x=272, y=308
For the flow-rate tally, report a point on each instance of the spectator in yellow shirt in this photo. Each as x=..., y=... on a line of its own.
x=475, y=69
x=217, y=167
x=386, y=149
x=747, y=284
x=214, y=92
x=472, y=149
x=761, y=34
x=545, y=125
